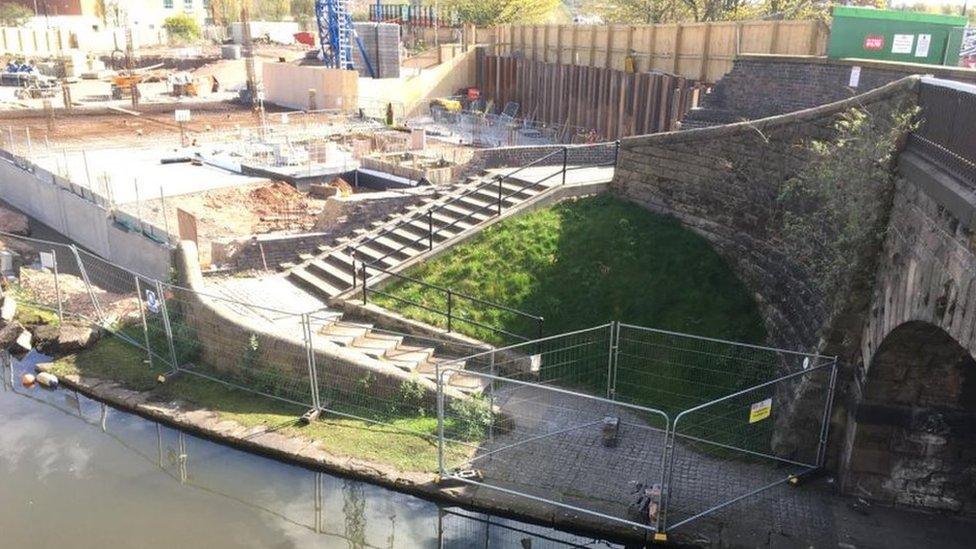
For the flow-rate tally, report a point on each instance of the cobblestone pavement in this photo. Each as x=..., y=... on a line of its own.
x=555, y=450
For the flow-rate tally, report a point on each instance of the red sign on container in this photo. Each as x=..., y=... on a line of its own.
x=874, y=42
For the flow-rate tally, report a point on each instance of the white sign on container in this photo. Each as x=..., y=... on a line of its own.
x=855, y=79
x=902, y=43
x=922, y=48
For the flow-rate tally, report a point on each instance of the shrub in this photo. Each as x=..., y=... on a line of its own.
x=14, y=15
x=182, y=27
x=471, y=416
x=411, y=398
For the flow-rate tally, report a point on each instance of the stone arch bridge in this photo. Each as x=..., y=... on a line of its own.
x=904, y=424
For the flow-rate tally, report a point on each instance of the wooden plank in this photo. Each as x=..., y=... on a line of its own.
x=664, y=92
x=575, y=59
x=677, y=47
x=653, y=93
x=622, y=87
x=706, y=46
x=635, y=92
x=545, y=44
x=609, y=62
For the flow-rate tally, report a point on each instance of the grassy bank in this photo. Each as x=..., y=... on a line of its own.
x=117, y=360
x=582, y=263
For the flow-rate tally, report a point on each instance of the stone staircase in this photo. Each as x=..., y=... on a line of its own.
x=409, y=354
x=405, y=235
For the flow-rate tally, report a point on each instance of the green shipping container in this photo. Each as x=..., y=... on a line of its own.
x=909, y=37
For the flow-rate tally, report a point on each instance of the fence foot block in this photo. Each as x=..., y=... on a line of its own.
x=310, y=416
x=165, y=378
x=660, y=537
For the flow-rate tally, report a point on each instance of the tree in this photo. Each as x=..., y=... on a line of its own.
x=182, y=27
x=501, y=12
x=302, y=10
x=270, y=10
x=225, y=12
x=14, y=15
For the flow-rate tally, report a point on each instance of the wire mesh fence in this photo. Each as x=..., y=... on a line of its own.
x=724, y=421
x=556, y=446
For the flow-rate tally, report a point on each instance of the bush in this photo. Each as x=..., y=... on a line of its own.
x=14, y=15
x=472, y=416
x=411, y=398
x=182, y=27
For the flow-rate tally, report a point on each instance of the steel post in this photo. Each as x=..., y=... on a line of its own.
x=565, y=162
x=166, y=325
x=142, y=315
x=57, y=286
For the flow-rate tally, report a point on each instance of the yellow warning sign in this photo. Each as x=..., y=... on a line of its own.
x=759, y=411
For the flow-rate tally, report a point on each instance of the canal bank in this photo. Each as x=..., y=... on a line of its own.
x=75, y=472
x=207, y=424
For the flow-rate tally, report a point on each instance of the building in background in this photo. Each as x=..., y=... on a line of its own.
x=113, y=13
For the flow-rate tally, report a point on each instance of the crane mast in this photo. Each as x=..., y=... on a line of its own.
x=337, y=34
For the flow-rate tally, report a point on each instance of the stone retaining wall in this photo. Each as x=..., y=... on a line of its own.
x=724, y=182
x=767, y=85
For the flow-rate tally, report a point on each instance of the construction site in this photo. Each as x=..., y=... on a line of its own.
x=270, y=208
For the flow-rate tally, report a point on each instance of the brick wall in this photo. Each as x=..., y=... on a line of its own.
x=759, y=86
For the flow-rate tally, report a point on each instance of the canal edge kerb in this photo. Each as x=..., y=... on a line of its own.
x=206, y=424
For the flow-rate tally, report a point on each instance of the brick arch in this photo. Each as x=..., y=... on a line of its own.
x=913, y=436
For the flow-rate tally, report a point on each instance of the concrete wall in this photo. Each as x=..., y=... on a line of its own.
x=414, y=92
x=288, y=85
x=767, y=85
x=50, y=200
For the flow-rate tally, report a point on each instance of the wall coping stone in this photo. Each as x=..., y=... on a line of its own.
x=711, y=132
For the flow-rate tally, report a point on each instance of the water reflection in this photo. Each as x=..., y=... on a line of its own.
x=154, y=486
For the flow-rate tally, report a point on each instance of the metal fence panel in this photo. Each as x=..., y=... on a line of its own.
x=747, y=442
x=556, y=446
x=244, y=345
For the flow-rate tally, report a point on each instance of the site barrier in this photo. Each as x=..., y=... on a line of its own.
x=646, y=428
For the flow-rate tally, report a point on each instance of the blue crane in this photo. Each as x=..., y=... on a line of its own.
x=336, y=35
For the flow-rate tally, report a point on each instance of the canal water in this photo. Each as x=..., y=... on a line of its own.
x=75, y=473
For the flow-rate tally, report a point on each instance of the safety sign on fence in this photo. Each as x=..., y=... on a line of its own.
x=759, y=411
x=152, y=302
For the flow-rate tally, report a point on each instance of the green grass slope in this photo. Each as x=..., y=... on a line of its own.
x=582, y=263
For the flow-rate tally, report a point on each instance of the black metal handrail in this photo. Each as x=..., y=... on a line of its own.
x=450, y=296
x=945, y=134
x=435, y=208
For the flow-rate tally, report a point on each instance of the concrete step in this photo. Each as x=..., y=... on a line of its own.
x=347, y=329
x=371, y=255
x=339, y=275
x=468, y=383
x=469, y=215
x=312, y=283
x=377, y=345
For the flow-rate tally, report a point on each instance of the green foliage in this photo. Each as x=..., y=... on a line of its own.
x=303, y=11
x=182, y=26
x=582, y=263
x=470, y=418
x=185, y=341
x=501, y=12
x=668, y=11
x=270, y=10
x=411, y=398
x=835, y=208
x=14, y=15
x=251, y=353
